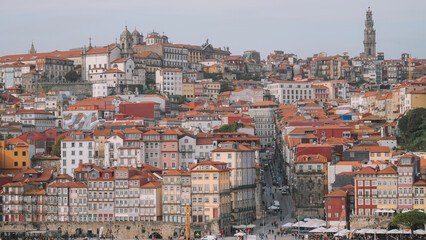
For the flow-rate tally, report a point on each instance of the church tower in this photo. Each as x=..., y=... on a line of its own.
x=137, y=38
x=32, y=49
x=369, y=35
x=126, y=43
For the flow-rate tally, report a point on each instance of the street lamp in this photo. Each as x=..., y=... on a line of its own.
x=298, y=224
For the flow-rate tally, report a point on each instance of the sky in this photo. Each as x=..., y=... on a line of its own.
x=302, y=27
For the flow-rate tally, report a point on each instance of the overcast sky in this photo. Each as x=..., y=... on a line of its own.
x=303, y=27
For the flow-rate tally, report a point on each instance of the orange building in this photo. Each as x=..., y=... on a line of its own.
x=15, y=154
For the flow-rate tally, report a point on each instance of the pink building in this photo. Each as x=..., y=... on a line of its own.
x=365, y=191
x=408, y=167
x=169, y=150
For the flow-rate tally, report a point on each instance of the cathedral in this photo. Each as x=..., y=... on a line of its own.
x=128, y=41
x=369, y=35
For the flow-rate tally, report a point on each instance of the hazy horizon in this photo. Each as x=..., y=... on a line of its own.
x=300, y=27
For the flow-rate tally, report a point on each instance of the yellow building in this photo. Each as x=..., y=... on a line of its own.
x=14, y=155
x=215, y=68
x=387, y=188
x=419, y=195
x=211, y=194
x=212, y=90
x=188, y=89
x=417, y=99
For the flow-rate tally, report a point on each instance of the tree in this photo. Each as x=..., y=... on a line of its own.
x=71, y=76
x=181, y=100
x=413, y=129
x=412, y=219
x=56, y=149
x=233, y=127
x=224, y=86
x=9, y=136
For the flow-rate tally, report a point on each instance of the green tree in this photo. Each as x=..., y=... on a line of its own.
x=56, y=149
x=413, y=129
x=233, y=127
x=412, y=219
x=71, y=76
x=224, y=86
x=9, y=136
x=181, y=100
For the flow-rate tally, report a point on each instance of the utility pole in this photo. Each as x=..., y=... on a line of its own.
x=263, y=223
x=187, y=222
x=298, y=225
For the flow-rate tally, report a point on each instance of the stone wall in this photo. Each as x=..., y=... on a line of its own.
x=359, y=222
x=119, y=230
x=79, y=88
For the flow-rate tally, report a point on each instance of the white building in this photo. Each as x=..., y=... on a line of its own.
x=187, y=144
x=99, y=90
x=112, y=145
x=241, y=160
x=99, y=58
x=123, y=71
x=201, y=121
x=169, y=81
x=263, y=117
x=359, y=102
x=204, y=147
x=42, y=120
x=76, y=148
x=286, y=92
x=151, y=199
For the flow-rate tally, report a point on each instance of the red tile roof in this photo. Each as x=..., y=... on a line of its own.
x=152, y=185
x=389, y=170
x=337, y=193
x=177, y=173
x=366, y=170
x=264, y=103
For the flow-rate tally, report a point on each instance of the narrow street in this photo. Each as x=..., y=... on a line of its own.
x=273, y=193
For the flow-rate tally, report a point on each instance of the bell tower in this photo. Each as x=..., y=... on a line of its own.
x=369, y=35
x=126, y=43
x=32, y=49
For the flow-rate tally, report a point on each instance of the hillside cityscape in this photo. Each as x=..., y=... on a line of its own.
x=144, y=138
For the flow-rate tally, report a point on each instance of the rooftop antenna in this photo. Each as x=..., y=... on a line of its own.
x=90, y=43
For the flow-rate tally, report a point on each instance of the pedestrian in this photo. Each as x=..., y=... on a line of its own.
x=275, y=237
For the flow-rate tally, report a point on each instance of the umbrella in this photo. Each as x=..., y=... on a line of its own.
x=287, y=225
x=317, y=223
x=342, y=232
x=251, y=226
x=240, y=234
x=240, y=226
x=331, y=230
x=318, y=230
x=420, y=232
x=394, y=231
x=300, y=223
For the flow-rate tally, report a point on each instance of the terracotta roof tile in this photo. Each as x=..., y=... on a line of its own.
x=337, y=193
